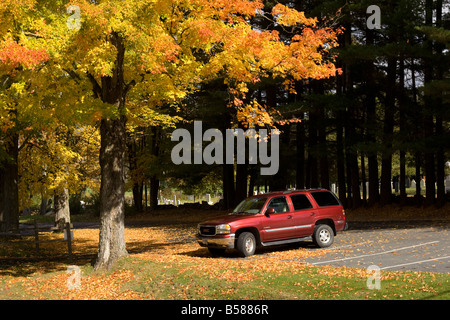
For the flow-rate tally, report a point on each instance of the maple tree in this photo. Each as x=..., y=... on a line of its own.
x=123, y=62
x=19, y=59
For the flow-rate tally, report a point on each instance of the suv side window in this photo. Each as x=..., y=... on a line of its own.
x=325, y=199
x=300, y=202
x=279, y=204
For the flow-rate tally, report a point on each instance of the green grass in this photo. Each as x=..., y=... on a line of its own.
x=161, y=281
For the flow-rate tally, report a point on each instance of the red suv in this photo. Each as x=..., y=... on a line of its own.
x=275, y=218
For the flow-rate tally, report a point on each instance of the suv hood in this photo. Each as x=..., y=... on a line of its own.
x=226, y=219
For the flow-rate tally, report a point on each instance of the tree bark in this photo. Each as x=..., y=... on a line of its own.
x=300, y=161
x=113, y=145
x=428, y=116
x=62, y=209
x=155, y=134
x=241, y=182
x=154, y=188
x=112, y=200
x=388, y=131
x=372, y=126
x=9, y=211
x=440, y=153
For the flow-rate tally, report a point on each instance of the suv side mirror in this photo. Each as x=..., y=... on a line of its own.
x=270, y=211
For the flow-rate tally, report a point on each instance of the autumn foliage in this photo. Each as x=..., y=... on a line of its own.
x=125, y=63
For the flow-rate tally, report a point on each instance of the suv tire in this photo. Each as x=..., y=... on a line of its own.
x=246, y=244
x=323, y=235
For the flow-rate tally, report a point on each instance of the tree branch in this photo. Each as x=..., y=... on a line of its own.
x=96, y=87
x=30, y=34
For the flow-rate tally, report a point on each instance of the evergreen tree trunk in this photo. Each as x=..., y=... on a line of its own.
x=154, y=188
x=403, y=130
x=428, y=121
x=138, y=186
x=388, y=131
x=155, y=133
x=322, y=143
x=440, y=152
x=241, y=182
x=228, y=186
x=313, y=172
x=300, y=158
x=372, y=126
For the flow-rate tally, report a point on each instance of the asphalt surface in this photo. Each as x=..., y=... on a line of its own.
x=419, y=246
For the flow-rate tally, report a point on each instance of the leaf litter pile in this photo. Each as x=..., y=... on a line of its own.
x=165, y=262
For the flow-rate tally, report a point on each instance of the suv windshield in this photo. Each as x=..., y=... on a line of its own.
x=250, y=206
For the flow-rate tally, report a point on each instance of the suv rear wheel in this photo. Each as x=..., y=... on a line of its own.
x=323, y=235
x=246, y=244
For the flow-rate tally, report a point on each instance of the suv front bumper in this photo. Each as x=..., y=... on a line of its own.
x=218, y=241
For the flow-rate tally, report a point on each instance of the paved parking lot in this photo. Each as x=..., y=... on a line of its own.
x=417, y=247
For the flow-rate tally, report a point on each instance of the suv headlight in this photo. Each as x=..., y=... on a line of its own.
x=223, y=229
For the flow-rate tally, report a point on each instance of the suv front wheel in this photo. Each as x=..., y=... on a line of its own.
x=246, y=244
x=323, y=235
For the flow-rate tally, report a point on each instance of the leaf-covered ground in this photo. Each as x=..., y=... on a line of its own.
x=165, y=262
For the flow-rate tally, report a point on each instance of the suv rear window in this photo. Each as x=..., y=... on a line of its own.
x=300, y=202
x=325, y=199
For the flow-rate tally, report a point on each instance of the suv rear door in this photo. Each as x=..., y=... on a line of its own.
x=303, y=214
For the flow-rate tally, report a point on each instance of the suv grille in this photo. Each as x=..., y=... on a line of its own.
x=207, y=230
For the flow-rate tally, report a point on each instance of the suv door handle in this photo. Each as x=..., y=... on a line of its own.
x=289, y=217
x=312, y=213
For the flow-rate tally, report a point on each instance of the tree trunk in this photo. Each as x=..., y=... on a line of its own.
x=138, y=189
x=403, y=130
x=44, y=205
x=428, y=116
x=62, y=209
x=155, y=134
x=111, y=246
x=313, y=168
x=112, y=200
x=154, y=188
x=300, y=161
x=440, y=153
x=324, y=166
x=372, y=127
x=9, y=211
x=342, y=190
x=138, y=185
x=241, y=182
x=279, y=181
x=228, y=186
x=388, y=131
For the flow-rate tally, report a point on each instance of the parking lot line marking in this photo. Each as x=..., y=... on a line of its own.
x=415, y=262
x=349, y=245
x=375, y=254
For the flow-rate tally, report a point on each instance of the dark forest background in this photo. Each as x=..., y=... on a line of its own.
x=377, y=133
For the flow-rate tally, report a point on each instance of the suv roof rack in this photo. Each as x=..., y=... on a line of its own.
x=311, y=189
